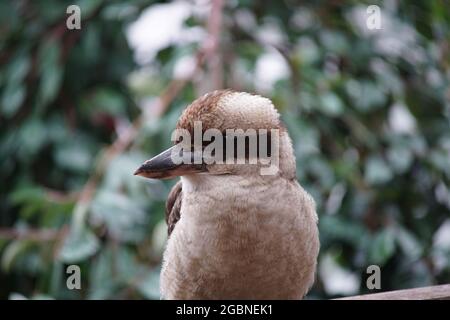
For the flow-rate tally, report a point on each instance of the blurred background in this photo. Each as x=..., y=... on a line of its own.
x=368, y=111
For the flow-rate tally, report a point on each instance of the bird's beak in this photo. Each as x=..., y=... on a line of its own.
x=163, y=167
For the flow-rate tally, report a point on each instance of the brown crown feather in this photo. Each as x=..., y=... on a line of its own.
x=201, y=109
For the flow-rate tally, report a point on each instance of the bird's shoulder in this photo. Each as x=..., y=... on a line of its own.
x=173, y=207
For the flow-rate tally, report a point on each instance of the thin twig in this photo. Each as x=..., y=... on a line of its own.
x=60, y=196
x=38, y=235
x=214, y=30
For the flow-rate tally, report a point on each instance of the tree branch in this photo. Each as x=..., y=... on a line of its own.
x=214, y=30
x=39, y=235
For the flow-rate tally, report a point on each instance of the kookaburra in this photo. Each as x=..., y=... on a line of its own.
x=235, y=233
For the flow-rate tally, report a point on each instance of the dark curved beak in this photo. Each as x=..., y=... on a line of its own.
x=163, y=167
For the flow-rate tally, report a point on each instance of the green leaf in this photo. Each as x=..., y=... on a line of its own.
x=400, y=158
x=107, y=100
x=101, y=281
x=12, y=252
x=51, y=72
x=331, y=104
x=12, y=97
x=440, y=160
x=149, y=286
x=409, y=244
x=32, y=136
x=336, y=228
x=18, y=68
x=123, y=216
x=382, y=247
x=74, y=156
x=31, y=200
x=366, y=95
x=88, y=6
x=377, y=171
x=27, y=194
x=79, y=245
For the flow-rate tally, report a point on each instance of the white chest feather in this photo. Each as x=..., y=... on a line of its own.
x=242, y=239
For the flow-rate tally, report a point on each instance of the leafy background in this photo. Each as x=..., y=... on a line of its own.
x=368, y=111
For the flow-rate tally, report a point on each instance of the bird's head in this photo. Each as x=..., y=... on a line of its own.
x=224, y=132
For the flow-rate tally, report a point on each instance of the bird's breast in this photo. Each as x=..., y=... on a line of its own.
x=243, y=242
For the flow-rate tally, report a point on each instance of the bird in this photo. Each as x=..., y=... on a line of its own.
x=235, y=233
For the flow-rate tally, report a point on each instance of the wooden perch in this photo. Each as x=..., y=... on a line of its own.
x=441, y=292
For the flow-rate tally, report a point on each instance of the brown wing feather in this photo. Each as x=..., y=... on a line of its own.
x=173, y=207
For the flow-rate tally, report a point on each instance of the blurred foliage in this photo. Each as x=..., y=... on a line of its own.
x=368, y=111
